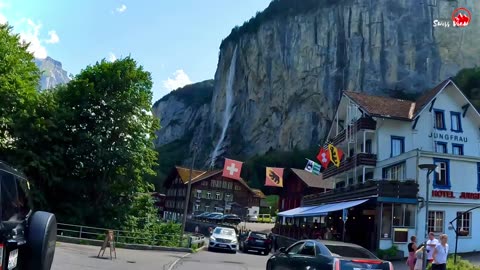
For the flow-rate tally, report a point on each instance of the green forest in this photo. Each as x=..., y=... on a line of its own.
x=87, y=146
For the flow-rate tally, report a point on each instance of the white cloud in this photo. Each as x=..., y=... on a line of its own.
x=31, y=35
x=53, y=37
x=122, y=8
x=112, y=57
x=180, y=80
x=3, y=19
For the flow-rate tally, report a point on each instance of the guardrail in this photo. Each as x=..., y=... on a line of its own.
x=129, y=237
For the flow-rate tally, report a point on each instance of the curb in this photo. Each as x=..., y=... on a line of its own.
x=176, y=261
x=92, y=242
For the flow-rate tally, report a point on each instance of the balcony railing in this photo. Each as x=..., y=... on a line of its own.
x=380, y=188
x=351, y=162
x=360, y=124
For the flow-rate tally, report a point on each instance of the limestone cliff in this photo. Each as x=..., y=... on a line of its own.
x=52, y=73
x=293, y=60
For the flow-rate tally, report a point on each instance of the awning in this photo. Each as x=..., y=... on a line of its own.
x=323, y=210
x=293, y=212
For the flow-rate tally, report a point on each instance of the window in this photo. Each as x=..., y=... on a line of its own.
x=404, y=215
x=205, y=183
x=439, y=119
x=400, y=235
x=457, y=149
x=238, y=187
x=294, y=249
x=441, y=179
x=397, y=145
x=435, y=221
x=464, y=224
x=395, y=172
x=217, y=196
x=224, y=184
x=196, y=207
x=478, y=176
x=209, y=195
x=308, y=249
x=386, y=221
x=456, y=122
x=199, y=194
x=351, y=252
x=230, y=185
x=441, y=147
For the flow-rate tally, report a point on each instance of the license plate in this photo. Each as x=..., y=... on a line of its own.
x=259, y=241
x=12, y=259
x=222, y=245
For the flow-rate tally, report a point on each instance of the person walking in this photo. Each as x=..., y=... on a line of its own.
x=440, y=254
x=419, y=258
x=431, y=244
x=412, y=247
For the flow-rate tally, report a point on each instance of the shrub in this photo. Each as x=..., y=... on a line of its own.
x=460, y=265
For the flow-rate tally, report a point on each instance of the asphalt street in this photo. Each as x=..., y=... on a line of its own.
x=82, y=257
x=222, y=261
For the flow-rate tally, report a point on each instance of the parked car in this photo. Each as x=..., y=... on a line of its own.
x=213, y=217
x=200, y=216
x=232, y=219
x=207, y=217
x=223, y=239
x=217, y=218
x=319, y=254
x=252, y=218
x=255, y=241
x=27, y=238
x=265, y=218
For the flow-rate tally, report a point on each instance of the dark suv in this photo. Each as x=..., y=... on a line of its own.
x=27, y=238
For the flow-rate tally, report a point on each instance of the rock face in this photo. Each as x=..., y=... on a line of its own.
x=290, y=70
x=53, y=73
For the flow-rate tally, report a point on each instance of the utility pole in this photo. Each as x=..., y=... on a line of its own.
x=431, y=168
x=187, y=199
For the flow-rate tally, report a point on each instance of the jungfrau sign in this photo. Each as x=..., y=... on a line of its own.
x=448, y=137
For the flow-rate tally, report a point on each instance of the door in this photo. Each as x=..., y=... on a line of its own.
x=282, y=261
x=304, y=258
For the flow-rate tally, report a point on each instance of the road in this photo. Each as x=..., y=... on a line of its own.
x=222, y=261
x=80, y=257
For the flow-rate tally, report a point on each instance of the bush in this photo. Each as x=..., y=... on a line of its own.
x=460, y=265
x=387, y=253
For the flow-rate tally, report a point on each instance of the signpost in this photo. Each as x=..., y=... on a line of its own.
x=344, y=219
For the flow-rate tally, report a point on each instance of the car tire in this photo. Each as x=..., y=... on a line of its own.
x=269, y=266
x=41, y=241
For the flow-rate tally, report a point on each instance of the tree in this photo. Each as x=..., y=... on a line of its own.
x=19, y=78
x=468, y=80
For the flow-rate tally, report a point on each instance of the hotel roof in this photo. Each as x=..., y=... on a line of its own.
x=312, y=180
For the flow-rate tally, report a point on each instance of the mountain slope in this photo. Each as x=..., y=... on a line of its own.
x=293, y=60
x=53, y=73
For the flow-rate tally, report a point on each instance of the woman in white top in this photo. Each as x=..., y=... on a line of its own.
x=440, y=254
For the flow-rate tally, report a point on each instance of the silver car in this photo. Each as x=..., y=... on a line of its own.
x=224, y=239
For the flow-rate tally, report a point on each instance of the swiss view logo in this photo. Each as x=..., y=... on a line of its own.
x=461, y=17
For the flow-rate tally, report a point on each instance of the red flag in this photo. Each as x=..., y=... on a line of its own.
x=274, y=177
x=324, y=157
x=232, y=169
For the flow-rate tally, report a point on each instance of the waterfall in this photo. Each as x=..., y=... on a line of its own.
x=227, y=115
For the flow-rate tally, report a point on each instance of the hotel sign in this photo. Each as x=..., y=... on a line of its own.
x=448, y=137
x=450, y=194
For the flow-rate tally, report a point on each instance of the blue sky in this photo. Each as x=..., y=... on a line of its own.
x=176, y=40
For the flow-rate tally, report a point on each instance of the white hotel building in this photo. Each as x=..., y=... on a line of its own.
x=384, y=141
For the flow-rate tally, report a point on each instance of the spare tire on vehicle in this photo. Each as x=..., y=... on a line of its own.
x=41, y=240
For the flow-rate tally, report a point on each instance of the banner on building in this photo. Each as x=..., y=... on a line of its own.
x=335, y=155
x=232, y=169
x=324, y=157
x=313, y=167
x=274, y=177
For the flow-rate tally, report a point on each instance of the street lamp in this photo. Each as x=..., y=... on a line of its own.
x=430, y=168
x=187, y=200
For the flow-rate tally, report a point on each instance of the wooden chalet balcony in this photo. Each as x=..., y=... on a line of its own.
x=362, y=123
x=350, y=162
x=380, y=188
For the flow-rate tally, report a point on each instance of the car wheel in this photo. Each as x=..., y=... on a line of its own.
x=269, y=266
x=41, y=240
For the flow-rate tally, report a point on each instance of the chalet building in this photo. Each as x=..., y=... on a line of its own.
x=210, y=193
x=159, y=201
x=299, y=183
x=379, y=189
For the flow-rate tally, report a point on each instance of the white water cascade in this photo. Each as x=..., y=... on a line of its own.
x=228, y=106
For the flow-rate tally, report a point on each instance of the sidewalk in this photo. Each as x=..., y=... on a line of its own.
x=471, y=257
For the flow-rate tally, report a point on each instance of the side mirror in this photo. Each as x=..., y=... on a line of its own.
x=282, y=250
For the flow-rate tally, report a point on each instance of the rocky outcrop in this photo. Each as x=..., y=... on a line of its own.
x=291, y=69
x=52, y=73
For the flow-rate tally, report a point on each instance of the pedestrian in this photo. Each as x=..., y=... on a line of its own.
x=419, y=257
x=440, y=254
x=412, y=247
x=431, y=244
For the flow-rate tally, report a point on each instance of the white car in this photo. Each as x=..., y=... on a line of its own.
x=223, y=238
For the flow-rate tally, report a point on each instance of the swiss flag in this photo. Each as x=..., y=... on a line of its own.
x=232, y=169
x=324, y=157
